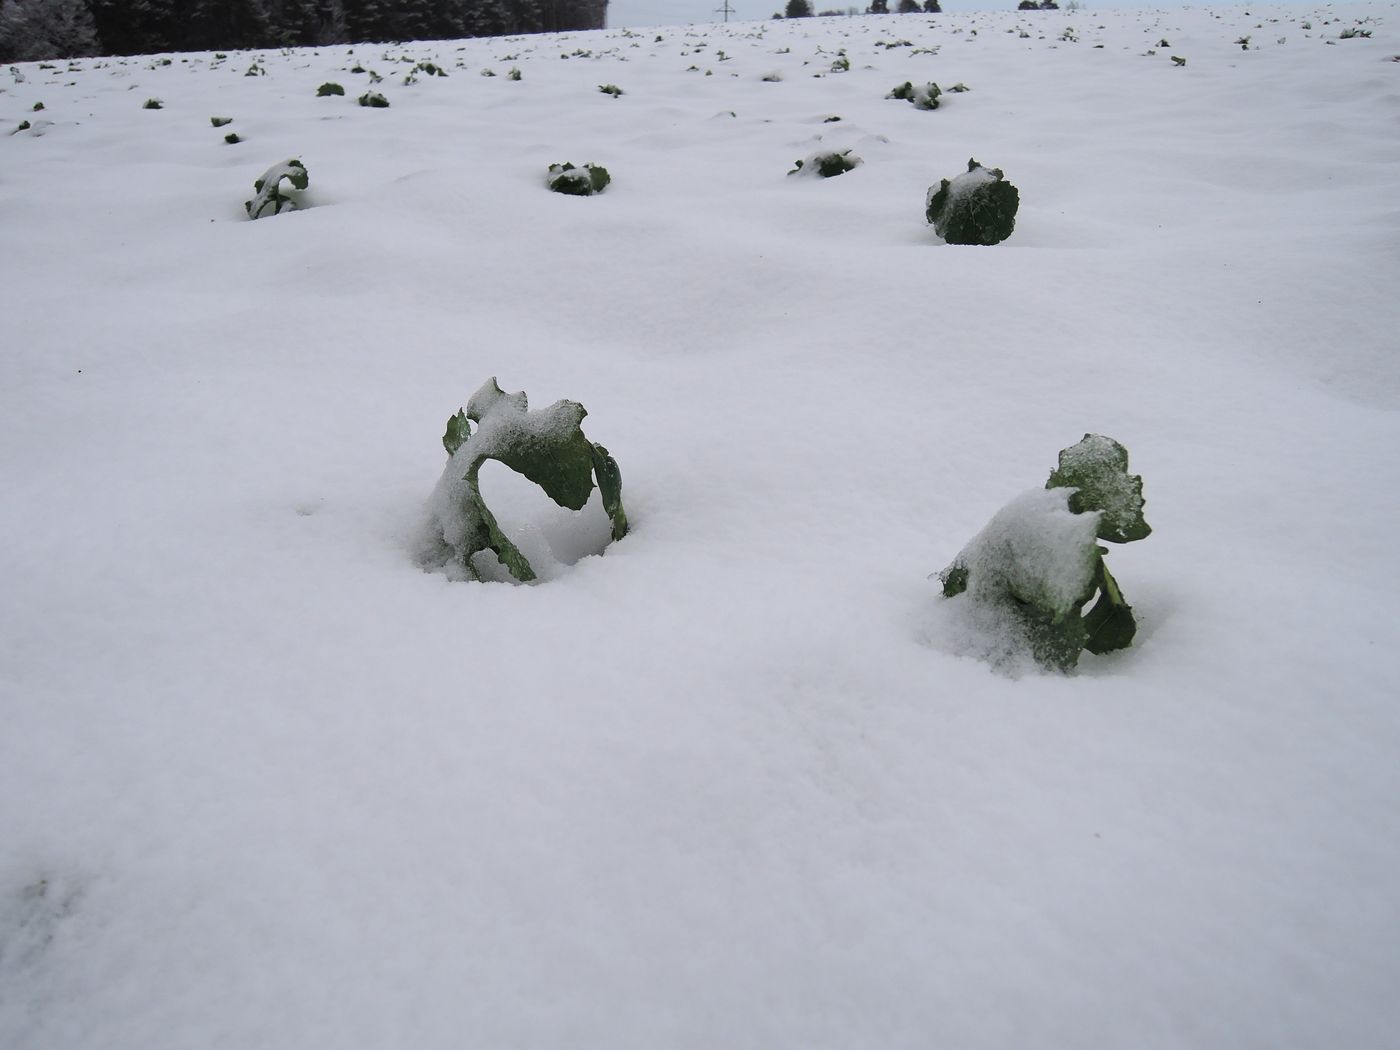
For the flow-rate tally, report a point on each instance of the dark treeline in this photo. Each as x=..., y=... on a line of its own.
x=40, y=29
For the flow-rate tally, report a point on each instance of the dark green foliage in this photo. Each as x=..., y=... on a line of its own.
x=578, y=182
x=908, y=7
x=38, y=107
x=374, y=100
x=610, y=89
x=1178, y=61
x=922, y=97
x=1035, y=569
x=827, y=164
x=24, y=125
x=153, y=103
x=1097, y=467
x=232, y=138
x=548, y=447
x=329, y=88
x=219, y=122
x=798, y=9
x=267, y=190
x=978, y=207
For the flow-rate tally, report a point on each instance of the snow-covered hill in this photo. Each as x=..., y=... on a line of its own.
x=738, y=782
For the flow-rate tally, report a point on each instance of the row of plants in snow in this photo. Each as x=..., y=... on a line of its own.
x=977, y=207
x=1028, y=575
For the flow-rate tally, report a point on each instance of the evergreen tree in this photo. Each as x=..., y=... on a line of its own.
x=909, y=7
x=878, y=7
x=39, y=29
x=799, y=9
x=214, y=24
x=931, y=7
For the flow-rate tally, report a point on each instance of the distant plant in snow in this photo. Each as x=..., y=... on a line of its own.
x=1031, y=571
x=329, y=88
x=374, y=100
x=1348, y=34
x=578, y=182
x=825, y=164
x=1178, y=61
x=232, y=138
x=610, y=89
x=219, y=122
x=513, y=73
x=977, y=207
x=268, y=189
x=922, y=97
x=153, y=103
x=547, y=446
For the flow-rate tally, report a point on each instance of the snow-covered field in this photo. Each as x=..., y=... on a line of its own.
x=737, y=783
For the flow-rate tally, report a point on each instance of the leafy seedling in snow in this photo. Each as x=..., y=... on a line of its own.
x=329, y=88
x=374, y=100
x=826, y=164
x=959, y=88
x=977, y=207
x=38, y=107
x=232, y=138
x=153, y=103
x=24, y=125
x=219, y=122
x=923, y=97
x=1035, y=566
x=547, y=446
x=578, y=182
x=1178, y=61
x=513, y=73
x=267, y=190
x=610, y=89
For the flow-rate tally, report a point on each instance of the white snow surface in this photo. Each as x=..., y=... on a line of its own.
x=265, y=783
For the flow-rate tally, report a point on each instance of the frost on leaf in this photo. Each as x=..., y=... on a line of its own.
x=1028, y=575
x=1097, y=468
x=977, y=207
x=546, y=446
x=268, y=189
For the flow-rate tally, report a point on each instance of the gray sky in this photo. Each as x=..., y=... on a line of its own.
x=681, y=12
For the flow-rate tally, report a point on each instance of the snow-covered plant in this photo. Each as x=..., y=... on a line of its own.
x=1178, y=61
x=610, y=89
x=923, y=97
x=219, y=122
x=825, y=164
x=977, y=207
x=232, y=138
x=1348, y=34
x=578, y=182
x=1038, y=562
x=513, y=73
x=374, y=99
x=268, y=192
x=153, y=103
x=547, y=446
x=330, y=87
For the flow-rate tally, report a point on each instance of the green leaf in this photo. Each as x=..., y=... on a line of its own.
x=1109, y=624
x=458, y=430
x=546, y=446
x=977, y=207
x=1097, y=467
x=578, y=182
x=610, y=488
x=267, y=189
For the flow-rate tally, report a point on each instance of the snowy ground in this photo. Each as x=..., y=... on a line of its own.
x=265, y=783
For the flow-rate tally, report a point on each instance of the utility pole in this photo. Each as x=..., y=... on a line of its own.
x=726, y=10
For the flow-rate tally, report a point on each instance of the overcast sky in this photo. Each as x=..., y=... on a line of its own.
x=682, y=12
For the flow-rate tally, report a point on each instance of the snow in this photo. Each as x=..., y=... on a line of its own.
x=267, y=783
